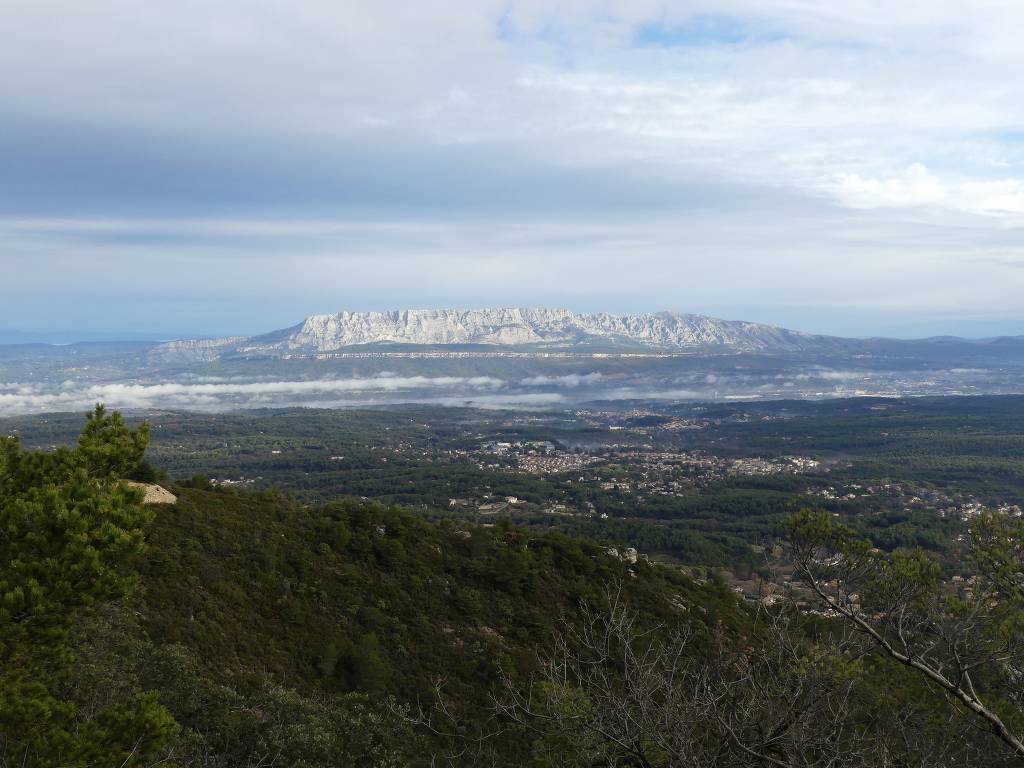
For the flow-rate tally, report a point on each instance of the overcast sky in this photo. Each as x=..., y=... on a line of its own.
x=195, y=167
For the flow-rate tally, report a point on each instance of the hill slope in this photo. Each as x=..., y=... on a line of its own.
x=277, y=633
x=257, y=580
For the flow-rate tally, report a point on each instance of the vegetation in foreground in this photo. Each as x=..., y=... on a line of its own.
x=254, y=630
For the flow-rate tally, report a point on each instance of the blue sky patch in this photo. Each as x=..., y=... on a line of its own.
x=705, y=30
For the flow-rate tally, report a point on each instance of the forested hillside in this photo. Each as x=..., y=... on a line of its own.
x=356, y=610
x=354, y=596
x=244, y=628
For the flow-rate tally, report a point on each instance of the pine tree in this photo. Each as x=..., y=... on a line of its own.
x=69, y=532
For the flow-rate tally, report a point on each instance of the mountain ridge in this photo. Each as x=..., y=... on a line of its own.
x=541, y=330
x=502, y=327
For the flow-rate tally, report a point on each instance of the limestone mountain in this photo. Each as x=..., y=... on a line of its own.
x=510, y=327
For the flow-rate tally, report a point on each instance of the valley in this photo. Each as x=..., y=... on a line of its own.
x=383, y=585
x=700, y=485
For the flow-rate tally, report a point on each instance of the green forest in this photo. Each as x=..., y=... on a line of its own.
x=257, y=627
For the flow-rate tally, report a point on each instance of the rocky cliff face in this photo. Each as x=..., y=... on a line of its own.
x=194, y=350
x=502, y=327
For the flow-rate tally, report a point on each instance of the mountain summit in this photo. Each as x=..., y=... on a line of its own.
x=512, y=327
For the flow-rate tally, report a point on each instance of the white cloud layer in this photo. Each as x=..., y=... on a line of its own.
x=848, y=166
x=918, y=187
x=568, y=380
x=19, y=398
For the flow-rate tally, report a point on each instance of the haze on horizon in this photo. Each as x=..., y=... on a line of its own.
x=852, y=168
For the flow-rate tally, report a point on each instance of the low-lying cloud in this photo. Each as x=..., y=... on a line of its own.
x=214, y=394
x=569, y=380
x=20, y=398
x=227, y=394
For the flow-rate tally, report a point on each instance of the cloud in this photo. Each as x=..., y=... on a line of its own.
x=19, y=398
x=387, y=104
x=917, y=186
x=568, y=380
x=236, y=168
x=826, y=374
x=476, y=391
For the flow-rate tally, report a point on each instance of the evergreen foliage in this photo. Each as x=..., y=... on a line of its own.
x=268, y=630
x=70, y=534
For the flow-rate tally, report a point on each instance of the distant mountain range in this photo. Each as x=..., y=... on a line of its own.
x=513, y=328
x=539, y=330
x=544, y=357
x=536, y=330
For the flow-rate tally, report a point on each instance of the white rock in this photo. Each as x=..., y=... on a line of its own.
x=319, y=334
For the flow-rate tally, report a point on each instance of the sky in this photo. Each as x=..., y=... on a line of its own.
x=190, y=168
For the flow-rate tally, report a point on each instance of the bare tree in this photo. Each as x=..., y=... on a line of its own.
x=964, y=638
x=611, y=692
x=456, y=742
x=895, y=667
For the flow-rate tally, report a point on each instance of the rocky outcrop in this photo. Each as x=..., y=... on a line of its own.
x=155, y=494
